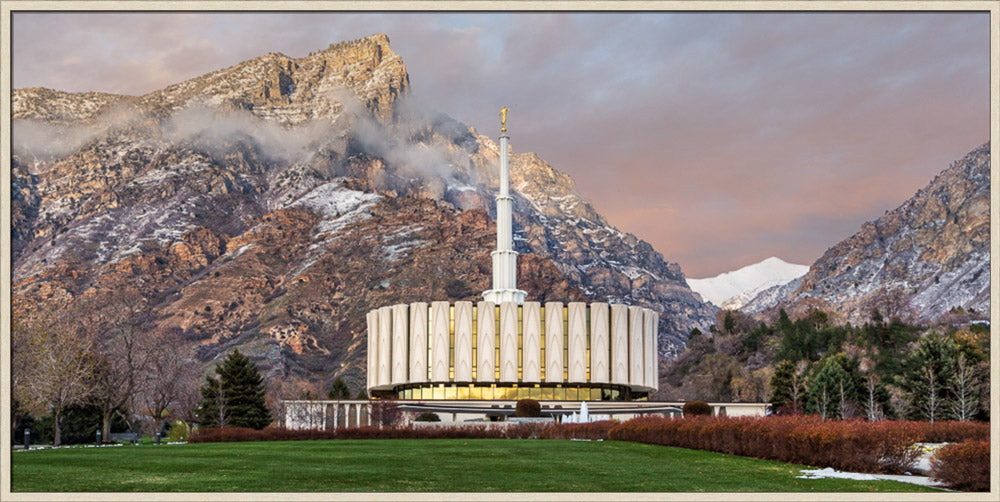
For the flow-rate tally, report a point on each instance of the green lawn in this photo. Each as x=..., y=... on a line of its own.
x=441, y=465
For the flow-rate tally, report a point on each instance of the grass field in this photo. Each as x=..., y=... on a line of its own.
x=440, y=465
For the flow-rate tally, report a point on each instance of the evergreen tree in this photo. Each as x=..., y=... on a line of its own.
x=339, y=390
x=928, y=373
x=236, y=397
x=781, y=385
x=834, y=390
x=212, y=410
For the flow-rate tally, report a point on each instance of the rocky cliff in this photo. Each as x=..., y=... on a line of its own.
x=919, y=261
x=269, y=205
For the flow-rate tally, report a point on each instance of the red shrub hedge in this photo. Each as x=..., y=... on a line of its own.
x=963, y=466
x=951, y=431
x=850, y=445
x=591, y=430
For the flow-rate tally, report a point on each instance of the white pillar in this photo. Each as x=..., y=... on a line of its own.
x=440, y=340
x=418, y=342
x=508, y=342
x=486, y=342
x=619, y=344
x=635, y=357
x=400, y=327
x=531, y=346
x=554, y=342
x=599, y=343
x=577, y=316
x=463, y=341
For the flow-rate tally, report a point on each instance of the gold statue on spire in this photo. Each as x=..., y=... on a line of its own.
x=503, y=119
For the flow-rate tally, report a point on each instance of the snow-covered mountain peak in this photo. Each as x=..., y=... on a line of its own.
x=733, y=289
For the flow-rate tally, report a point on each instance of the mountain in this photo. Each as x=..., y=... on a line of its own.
x=268, y=205
x=731, y=290
x=920, y=261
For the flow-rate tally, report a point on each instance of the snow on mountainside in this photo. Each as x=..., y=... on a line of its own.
x=731, y=290
x=919, y=262
x=267, y=206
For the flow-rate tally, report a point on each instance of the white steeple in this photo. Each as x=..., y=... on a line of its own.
x=504, y=258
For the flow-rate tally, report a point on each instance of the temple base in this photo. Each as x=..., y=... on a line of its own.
x=498, y=296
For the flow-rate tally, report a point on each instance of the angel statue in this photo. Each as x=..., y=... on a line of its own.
x=503, y=119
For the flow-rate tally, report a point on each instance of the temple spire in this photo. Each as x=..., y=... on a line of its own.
x=504, y=258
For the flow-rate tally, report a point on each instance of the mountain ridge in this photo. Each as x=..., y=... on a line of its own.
x=269, y=213
x=919, y=261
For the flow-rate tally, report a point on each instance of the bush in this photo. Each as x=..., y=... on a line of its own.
x=427, y=416
x=849, y=445
x=179, y=431
x=589, y=430
x=963, y=466
x=385, y=412
x=697, y=408
x=528, y=408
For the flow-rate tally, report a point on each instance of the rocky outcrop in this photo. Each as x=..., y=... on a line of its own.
x=919, y=261
x=268, y=206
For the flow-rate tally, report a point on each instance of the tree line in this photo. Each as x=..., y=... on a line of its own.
x=881, y=369
x=95, y=363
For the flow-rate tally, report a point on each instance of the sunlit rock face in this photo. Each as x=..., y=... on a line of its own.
x=919, y=261
x=268, y=206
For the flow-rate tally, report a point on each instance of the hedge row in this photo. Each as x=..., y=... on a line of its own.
x=949, y=431
x=963, y=466
x=591, y=430
x=849, y=445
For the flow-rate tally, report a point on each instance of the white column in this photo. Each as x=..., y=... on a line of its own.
x=485, y=342
x=577, y=313
x=400, y=329
x=599, y=343
x=652, y=349
x=372, y=369
x=554, y=342
x=531, y=335
x=440, y=336
x=619, y=344
x=336, y=414
x=508, y=342
x=384, y=336
x=418, y=342
x=463, y=341
x=635, y=357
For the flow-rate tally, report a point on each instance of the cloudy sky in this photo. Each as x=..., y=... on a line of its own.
x=722, y=139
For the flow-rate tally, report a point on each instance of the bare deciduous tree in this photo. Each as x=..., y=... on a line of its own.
x=124, y=351
x=965, y=389
x=61, y=368
x=873, y=410
x=166, y=370
x=933, y=402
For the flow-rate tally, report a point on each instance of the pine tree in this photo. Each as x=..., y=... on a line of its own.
x=781, y=385
x=236, y=397
x=835, y=388
x=928, y=371
x=339, y=390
